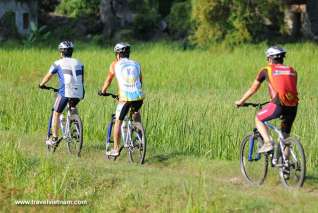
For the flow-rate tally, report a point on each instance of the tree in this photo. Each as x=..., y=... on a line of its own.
x=235, y=21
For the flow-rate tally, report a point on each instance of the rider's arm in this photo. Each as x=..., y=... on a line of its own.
x=141, y=78
x=109, y=79
x=261, y=76
x=46, y=78
x=251, y=91
x=83, y=74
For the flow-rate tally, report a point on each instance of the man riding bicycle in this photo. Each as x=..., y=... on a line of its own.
x=282, y=84
x=128, y=75
x=71, y=78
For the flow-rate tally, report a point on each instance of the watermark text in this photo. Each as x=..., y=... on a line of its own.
x=50, y=202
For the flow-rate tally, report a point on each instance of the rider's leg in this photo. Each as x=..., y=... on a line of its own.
x=137, y=117
x=288, y=117
x=263, y=130
x=117, y=127
x=121, y=111
x=55, y=124
x=73, y=103
x=269, y=112
x=60, y=104
x=135, y=109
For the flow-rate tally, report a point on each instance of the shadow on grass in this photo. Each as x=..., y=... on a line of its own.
x=94, y=147
x=311, y=179
x=164, y=159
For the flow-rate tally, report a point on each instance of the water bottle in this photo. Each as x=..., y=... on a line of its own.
x=276, y=154
x=62, y=122
x=124, y=130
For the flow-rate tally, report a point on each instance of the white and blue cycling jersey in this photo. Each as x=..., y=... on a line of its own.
x=128, y=74
x=70, y=72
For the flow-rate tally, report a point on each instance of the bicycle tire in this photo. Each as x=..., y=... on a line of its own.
x=137, y=149
x=51, y=149
x=253, y=166
x=76, y=130
x=296, y=169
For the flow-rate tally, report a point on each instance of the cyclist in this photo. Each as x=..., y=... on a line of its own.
x=282, y=84
x=70, y=72
x=129, y=78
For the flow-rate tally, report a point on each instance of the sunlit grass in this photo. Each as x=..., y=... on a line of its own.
x=189, y=95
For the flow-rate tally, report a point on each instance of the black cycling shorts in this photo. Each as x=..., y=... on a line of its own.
x=61, y=102
x=123, y=108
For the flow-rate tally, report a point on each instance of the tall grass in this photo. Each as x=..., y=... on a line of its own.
x=189, y=95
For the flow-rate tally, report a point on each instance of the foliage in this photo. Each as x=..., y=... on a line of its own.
x=79, y=8
x=8, y=25
x=46, y=6
x=146, y=18
x=235, y=21
x=179, y=19
x=36, y=34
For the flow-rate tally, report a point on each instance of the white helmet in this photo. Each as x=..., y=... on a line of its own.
x=66, y=45
x=275, y=52
x=122, y=48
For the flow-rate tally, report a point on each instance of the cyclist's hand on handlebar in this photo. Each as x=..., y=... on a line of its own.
x=42, y=86
x=100, y=93
x=239, y=103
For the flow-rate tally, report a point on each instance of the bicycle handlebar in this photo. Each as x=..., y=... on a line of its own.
x=108, y=94
x=256, y=105
x=49, y=88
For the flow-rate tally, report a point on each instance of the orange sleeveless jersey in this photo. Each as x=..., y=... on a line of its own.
x=283, y=80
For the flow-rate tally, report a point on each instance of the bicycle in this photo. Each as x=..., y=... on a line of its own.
x=71, y=128
x=132, y=136
x=288, y=156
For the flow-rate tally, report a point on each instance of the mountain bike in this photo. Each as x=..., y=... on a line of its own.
x=132, y=137
x=71, y=128
x=288, y=156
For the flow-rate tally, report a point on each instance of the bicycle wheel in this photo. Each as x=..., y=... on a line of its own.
x=293, y=171
x=75, y=143
x=52, y=148
x=253, y=165
x=137, y=147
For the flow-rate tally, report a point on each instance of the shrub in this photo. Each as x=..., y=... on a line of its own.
x=79, y=8
x=179, y=19
x=235, y=21
x=146, y=18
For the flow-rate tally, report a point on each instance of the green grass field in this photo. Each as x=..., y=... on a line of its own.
x=193, y=132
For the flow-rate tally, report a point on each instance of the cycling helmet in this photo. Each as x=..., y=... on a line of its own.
x=275, y=52
x=66, y=48
x=66, y=45
x=122, y=48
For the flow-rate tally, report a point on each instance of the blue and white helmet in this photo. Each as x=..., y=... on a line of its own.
x=122, y=48
x=66, y=45
x=275, y=52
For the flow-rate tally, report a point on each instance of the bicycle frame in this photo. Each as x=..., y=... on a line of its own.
x=126, y=133
x=281, y=142
x=280, y=136
x=284, y=156
x=251, y=147
x=65, y=129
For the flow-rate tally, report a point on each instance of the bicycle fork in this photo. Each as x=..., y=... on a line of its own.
x=251, y=147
